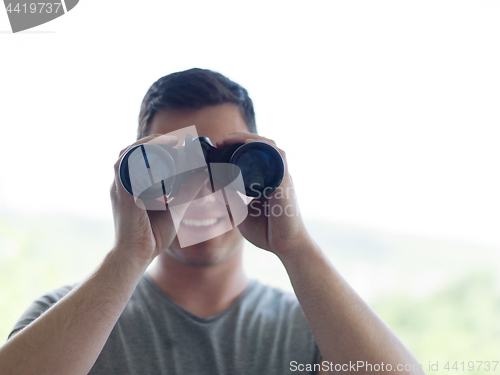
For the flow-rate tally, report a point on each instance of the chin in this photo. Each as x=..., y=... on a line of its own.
x=207, y=253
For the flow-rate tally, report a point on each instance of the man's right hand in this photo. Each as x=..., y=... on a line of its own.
x=69, y=336
x=143, y=234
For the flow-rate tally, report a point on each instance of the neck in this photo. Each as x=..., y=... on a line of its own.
x=203, y=291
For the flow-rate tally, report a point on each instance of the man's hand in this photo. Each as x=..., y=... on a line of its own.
x=69, y=336
x=273, y=222
x=143, y=234
x=343, y=325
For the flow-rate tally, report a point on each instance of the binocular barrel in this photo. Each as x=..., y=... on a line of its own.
x=149, y=171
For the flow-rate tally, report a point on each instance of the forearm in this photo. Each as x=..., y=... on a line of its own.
x=345, y=328
x=68, y=338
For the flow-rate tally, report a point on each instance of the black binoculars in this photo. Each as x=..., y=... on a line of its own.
x=149, y=171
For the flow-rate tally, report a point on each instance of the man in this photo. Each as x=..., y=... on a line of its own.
x=196, y=311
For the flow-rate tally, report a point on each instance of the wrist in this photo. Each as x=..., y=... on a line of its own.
x=117, y=276
x=126, y=258
x=296, y=248
x=305, y=262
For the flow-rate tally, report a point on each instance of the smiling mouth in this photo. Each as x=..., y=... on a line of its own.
x=200, y=223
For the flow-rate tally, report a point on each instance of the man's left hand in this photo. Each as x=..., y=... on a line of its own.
x=273, y=222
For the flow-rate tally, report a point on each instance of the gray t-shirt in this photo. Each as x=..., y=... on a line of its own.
x=260, y=333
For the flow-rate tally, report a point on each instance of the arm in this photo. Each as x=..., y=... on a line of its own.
x=69, y=336
x=344, y=326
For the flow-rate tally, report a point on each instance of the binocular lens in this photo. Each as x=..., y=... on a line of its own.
x=261, y=167
x=153, y=169
x=148, y=171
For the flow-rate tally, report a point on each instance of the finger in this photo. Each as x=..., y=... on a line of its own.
x=120, y=193
x=170, y=140
x=239, y=137
x=242, y=137
x=153, y=138
x=165, y=139
x=142, y=140
x=112, y=189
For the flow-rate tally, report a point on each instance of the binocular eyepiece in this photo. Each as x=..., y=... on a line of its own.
x=149, y=171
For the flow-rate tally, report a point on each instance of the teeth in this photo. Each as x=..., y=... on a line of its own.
x=199, y=223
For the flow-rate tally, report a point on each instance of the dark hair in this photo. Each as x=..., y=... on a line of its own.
x=194, y=89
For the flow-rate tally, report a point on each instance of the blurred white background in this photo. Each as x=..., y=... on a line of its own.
x=388, y=111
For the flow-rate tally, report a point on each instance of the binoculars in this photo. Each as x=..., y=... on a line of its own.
x=149, y=171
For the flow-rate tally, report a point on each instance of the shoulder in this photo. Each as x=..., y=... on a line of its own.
x=50, y=298
x=56, y=294
x=39, y=306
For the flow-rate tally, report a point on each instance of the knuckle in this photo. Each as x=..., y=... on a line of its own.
x=116, y=169
x=112, y=190
x=282, y=152
x=271, y=141
x=124, y=151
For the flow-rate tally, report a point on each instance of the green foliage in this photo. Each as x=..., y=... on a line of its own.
x=460, y=322
x=42, y=253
